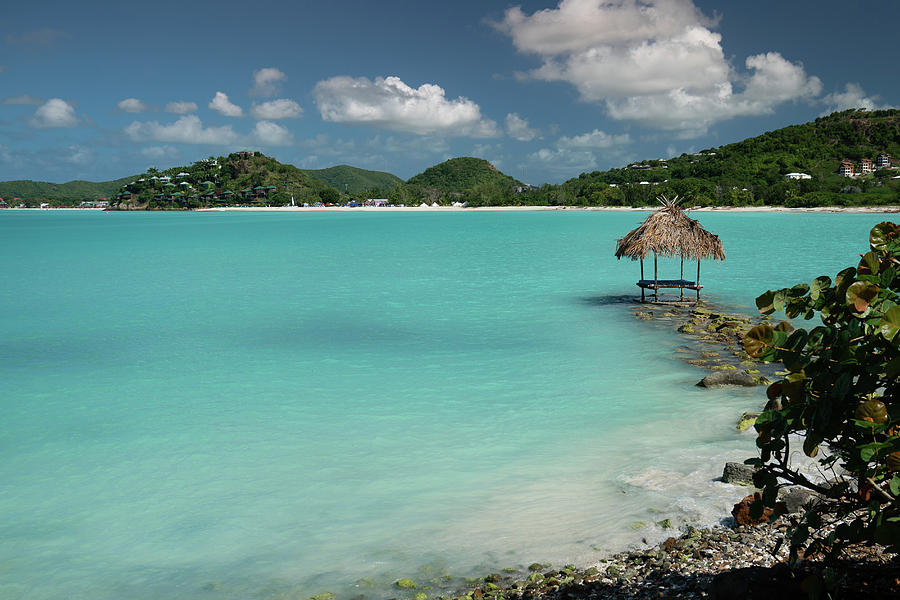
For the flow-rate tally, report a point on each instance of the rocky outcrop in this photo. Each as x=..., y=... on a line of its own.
x=729, y=377
x=738, y=474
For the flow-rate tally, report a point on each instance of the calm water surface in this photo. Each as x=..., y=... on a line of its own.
x=236, y=405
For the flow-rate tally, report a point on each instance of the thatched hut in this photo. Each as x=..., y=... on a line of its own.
x=670, y=233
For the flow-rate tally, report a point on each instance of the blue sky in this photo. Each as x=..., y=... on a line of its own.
x=544, y=90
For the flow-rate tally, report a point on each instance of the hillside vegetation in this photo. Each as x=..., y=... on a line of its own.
x=753, y=171
x=241, y=178
x=353, y=180
x=69, y=193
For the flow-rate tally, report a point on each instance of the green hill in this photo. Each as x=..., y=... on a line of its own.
x=461, y=175
x=241, y=178
x=753, y=171
x=60, y=193
x=354, y=180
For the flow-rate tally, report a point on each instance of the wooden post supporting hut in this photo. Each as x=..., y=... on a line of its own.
x=670, y=233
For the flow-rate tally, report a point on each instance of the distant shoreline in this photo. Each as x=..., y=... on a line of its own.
x=837, y=209
x=735, y=209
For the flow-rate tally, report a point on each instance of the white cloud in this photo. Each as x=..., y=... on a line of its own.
x=566, y=160
x=267, y=133
x=54, y=113
x=517, y=128
x=2, y=68
x=853, y=96
x=221, y=104
x=186, y=130
x=388, y=103
x=79, y=155
x=159, y=152
x=265, y=81
x=594, y=139
x=181, y=108
x=656, y=62
x=25, y=99
x=276, y=109
x=131, y=105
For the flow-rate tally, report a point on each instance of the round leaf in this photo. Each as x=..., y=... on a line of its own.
x=860, y=295
x=890, y=324
x=884, y=235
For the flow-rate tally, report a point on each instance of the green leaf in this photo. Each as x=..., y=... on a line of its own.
x=779, y=299
x=860, y=295
x=892, y=369
x=798, y=290
x=890, y=324
x=764, y=303
x=819, y=285
x=758, y=342
x=884, y=235
x=869, y=264
x=895, y=485
x=843, y=279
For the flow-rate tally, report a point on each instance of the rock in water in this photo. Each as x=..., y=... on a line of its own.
x=732, y=377
x=747, y=420
x=738, y=474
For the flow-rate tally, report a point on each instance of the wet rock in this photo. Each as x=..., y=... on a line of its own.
x=420, y=596
x=738, y=474
x=405, y=584
x=747, y=420
x=665, y=524
x=644, y=316
x=731, y=377
x=324, y=596
x=535, y=567
x=686, y=328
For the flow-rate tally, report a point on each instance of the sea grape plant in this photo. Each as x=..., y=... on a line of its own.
x=840, y=396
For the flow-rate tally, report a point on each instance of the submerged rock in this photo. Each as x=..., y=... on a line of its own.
x=731, y=377
x=405, y=584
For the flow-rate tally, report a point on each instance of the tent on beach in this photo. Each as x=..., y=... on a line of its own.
x=670, y=233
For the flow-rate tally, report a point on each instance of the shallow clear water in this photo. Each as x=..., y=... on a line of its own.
x=233, y=405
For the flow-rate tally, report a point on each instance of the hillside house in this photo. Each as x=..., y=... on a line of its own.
x=846, y=169
x=883, y=161
x=865, y=166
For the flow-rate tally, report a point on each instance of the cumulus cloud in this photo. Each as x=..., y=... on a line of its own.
x=54, y=113
x=267, y=133
x=25, y=99
x=853, y=96
x=518, y=129
x=656, y=62
x=579, y=152
x=159, y=152
x=131, y=105
x=186, y=130
x=276, y=109
x=181, y=108
x=78, y=155
x=389, y=103
x=266, y=81
x=592, y=140
x=221, y=104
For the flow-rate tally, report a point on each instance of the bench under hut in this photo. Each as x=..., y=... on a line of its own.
x=670, y=233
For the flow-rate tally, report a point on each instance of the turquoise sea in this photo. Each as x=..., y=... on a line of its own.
x=274, y=405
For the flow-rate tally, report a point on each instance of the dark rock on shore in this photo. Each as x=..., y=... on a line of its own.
x=738, y=474
x=729, y=377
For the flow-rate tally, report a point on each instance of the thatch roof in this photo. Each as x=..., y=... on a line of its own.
x=671, y=233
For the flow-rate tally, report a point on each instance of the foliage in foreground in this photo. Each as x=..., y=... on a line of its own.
x=840, y=395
